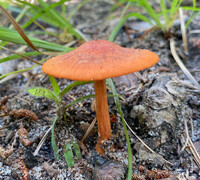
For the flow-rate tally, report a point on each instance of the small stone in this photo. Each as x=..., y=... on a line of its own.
x=120, y=145
x=50, y=170
x=109, y=171
x=29, y=159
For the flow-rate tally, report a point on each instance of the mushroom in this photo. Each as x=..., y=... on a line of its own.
x=96, y=61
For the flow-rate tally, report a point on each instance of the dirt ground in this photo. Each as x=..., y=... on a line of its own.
x=160, y=105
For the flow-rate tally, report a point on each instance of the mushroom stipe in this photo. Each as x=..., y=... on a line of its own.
x=96, y=61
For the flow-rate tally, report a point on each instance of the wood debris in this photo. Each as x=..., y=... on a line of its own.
x=137, y=177
x=23, y=113
x=155, y=173
x=23, y=168
x=50, y=170
x=5, y=153
x=23, y=136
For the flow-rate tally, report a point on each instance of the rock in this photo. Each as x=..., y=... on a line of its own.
x=160, y=101
x=161, y=112
x=109, y=171
x=29, y=159
x=50, y=170
x=145, y=155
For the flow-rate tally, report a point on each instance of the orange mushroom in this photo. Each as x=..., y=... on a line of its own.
x=96, y=61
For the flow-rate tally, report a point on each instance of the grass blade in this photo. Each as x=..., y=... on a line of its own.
x=181, y=65
x=54, y=84
x=117, y=102
x=190, y=8
x=9, y=35
x=53, y=141
x=20, y=71
x=174, y=7
x=79, y=5
x=41, y=11
x=68, y=154
x=16, y=56
x=123, y=20
x=79, y=100
x=25, y=57
x=145, y=4
x=54, y=14
x=18, y=28
x=48, y=14
x=77, y=150
x=190, y=19
x=71, y=86
x=164, y=10
x=125, y=9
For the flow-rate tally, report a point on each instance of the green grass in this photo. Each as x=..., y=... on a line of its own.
x=13, y=36
x=164, y=19
x=16, y=56
x=42, y=13
x=56, y=96
x=53, y=141
x=47, y=13
x=118, y=104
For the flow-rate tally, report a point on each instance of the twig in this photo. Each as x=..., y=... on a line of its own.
x=81, y=144
x=194, y=151
x=183, y=30
x=181, y=65
x=192, y=127
x=41, y=142
x=12, y=123
x=18, y=28
x=140, y=77
x=187, y=136
x=25, y=57
x=188, y=142
x=89, y=129
x=152, y=151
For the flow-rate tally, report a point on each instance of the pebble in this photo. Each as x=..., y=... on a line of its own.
x=109, y=171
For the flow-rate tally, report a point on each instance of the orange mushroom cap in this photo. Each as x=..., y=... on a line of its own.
x=98, y=60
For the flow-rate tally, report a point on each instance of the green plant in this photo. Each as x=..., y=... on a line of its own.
x=118, y=104
x=56, y=96
x=43, y=12
x=68, y=153
x=164, y=19
x=47, y=13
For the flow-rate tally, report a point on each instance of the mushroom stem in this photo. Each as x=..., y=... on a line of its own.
x=102, y=112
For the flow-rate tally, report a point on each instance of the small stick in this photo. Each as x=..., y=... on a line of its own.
x=187, y=135
x=183, y=30
x=41, y=142
x=89, y=129
x=181, y=65
x=12, y=123
x=25, y=57
x=152, y=151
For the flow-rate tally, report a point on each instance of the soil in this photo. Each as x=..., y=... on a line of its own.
x=160, y=105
